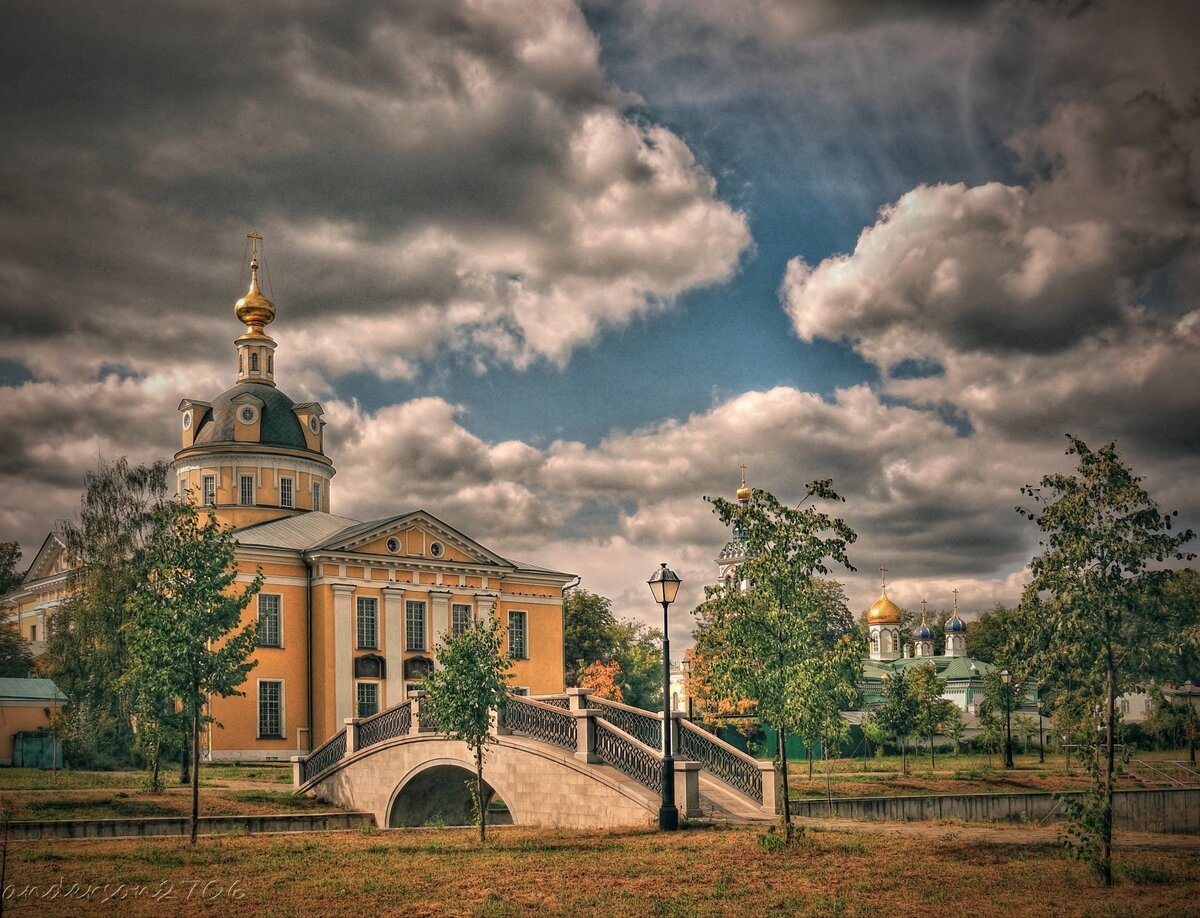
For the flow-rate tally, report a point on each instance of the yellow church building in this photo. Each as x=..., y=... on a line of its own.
x=350, y=610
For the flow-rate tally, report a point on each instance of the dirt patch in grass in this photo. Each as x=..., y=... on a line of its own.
x=175, y=801
x=545, y=872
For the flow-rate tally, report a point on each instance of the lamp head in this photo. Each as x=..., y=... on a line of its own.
x=1005, y=676
x=664, y=584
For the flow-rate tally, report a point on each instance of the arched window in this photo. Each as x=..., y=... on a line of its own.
x=242, y=364
x=253, y=363
x=270, y=364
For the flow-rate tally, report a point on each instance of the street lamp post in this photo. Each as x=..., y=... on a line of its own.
x=1006, y=679
x=664, y=585
x=1041, y=746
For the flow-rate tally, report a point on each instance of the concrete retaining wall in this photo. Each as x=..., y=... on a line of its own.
x=1151, y=810
x=181, y=825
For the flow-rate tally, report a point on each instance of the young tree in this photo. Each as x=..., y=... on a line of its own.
x=954, y=727
x=932, y=709
x=87, y=654
x=1026, y=729
x=897, y=715
x=15, y=659
x=788, y=643
x=1102, y=538
x=181, y=634
x=471, y=684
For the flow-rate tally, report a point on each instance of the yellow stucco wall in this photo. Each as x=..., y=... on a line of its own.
x=17, y=716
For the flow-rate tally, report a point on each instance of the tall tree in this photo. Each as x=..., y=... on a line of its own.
x=594, y=635
x=10, y=574
x=787, y=643
x=87, y=654
x=1102, y=537
x=588, y=631
x=183, y=635
x=990, y=633
x=464, y=693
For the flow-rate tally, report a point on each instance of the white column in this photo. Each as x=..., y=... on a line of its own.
x=393, y=643
x=439, y=601
x=343, y=651
x=485, y=605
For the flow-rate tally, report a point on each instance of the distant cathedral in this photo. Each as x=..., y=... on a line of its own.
x=888, y=649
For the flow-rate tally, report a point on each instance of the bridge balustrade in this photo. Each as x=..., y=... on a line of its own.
x=540, y=720
x=731, y=765
x=384, y=726
x=623, y=752
x=642, y=725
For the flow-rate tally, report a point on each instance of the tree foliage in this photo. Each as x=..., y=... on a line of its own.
x=15, y=659
x=896, y=715
x=594, y=635
x=87, y=652
x=10, y=574
x=182, y=635
x=788, y=643
x=933, y=711
x=989, y=635
x=470, y=685
x=1085, y=612
x=604, y=680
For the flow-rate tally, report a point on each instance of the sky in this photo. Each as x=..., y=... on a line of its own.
x=555, y=270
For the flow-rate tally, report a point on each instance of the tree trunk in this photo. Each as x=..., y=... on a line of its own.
x=828, y=776
x=155, y=780
x=195, y=769
x=903, y=754
x=932, y=752
x=781, y=760
x=185, y=776
x=479, y=801
x=1109, y=754
x=808, y=750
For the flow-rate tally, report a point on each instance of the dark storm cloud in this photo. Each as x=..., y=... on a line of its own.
x=400, y=157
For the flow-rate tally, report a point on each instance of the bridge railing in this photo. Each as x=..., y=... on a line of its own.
x=385, y=725
x=723, y=761
x=540, y=720
x=324, y=757
x=613, y=746
x=642, y=725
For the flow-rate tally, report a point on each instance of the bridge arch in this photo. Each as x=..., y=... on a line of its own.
x=540, y=784
x=436, y=791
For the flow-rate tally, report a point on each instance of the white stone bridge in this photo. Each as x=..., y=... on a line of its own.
x=563, y=760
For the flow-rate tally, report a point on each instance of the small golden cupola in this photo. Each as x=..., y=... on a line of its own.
x=256, y=349
x=744, y=492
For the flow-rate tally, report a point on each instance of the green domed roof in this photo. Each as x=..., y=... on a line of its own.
x=279, y=427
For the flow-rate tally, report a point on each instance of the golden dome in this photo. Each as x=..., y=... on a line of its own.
x=884, y=612
x=744, y=492
x=254, y=309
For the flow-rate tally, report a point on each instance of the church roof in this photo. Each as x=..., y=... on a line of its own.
x=279, y=425
x=307, y=530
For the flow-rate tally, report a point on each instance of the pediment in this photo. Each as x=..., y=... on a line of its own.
x=51, y=559
x=415, y=536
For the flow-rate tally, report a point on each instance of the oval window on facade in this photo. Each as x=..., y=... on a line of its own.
x=393, y=545
x=247, y=414
x=436, y=550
